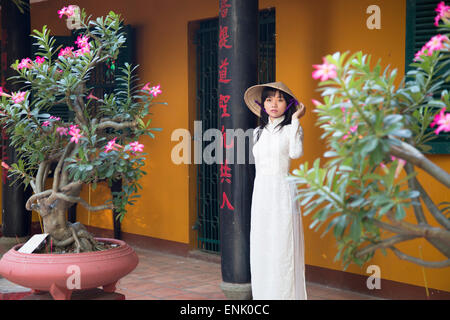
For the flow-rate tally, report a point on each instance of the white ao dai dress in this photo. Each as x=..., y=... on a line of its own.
x=276, y=237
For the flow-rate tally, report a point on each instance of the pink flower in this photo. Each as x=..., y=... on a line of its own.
x=68, y=11
x=420, y=53
x=55, y=118
x=443, y=12
x=5, y=165
x=435, y=42
x=442, y=120
x=82, y=41
x=2, y=93
x=25, y=63
x=112, y=145
x=18, y=97
x=324, y=71
x=401, y=164
x=154, y=91
x=82, y=51
x=75, y=133
x=76, y=136
x=352, y=130
x=146, y=87
x=91, y=96
x=62, y=131
x=66, y=52
x=136, y=146
x=39, y=60
x=46, y=123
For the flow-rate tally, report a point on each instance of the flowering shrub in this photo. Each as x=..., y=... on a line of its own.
x=102, y=141
x=374, y=130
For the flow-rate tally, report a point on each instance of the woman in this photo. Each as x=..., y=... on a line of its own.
x=276, y=235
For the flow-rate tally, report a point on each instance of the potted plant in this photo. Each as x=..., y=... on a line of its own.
x=100, y=143
x=373, y=131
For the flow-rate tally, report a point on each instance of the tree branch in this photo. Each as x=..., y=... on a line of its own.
x=428, y=264
x=423, y=230
x=409, y=153
x=57, y=174
x=412, y=184
x=384, y=244
x=36, y=197
x=83, y=202
x=388, y=227
x=432, y=207
x=439, y=238
x=116, y=125
x=40, y=176
x=78, y=112
x=68, y=189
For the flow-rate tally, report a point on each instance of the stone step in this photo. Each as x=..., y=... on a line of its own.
x=12, y=291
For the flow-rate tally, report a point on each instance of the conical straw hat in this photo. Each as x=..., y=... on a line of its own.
x=252, y=95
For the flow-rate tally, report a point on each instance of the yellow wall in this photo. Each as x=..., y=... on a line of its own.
x=306, y=31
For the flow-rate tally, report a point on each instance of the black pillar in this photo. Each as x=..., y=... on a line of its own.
x=72, y=213
x=16, y=44
x=116, y=187
x=238, y=61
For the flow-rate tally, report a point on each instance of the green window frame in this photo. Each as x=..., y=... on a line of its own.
x=420, y=28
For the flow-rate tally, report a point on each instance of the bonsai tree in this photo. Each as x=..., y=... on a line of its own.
x=100, y=143
x=373, y=130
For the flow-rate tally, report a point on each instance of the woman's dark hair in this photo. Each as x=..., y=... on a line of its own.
x=264, y=119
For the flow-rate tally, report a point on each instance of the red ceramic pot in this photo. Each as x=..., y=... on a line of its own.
x=60, y=274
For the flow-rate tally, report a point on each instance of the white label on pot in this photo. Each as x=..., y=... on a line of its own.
x=33, y=243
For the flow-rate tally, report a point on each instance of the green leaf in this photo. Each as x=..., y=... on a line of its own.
x=385, y=209
x=355, y=229
x=340, y=226
x=369, y=147
x=400, y=212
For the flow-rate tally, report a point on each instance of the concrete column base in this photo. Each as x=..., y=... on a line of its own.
x=237, y=291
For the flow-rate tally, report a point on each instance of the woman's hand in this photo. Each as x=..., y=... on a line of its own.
x=300, y=112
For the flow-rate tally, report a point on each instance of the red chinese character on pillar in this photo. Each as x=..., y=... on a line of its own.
x=227, y=202
x=224, y=8
x=223, y=104
x=223, y=38
x=223, y=69
x=224, y=139
x=225, y=172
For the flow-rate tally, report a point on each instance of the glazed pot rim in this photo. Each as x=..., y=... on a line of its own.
x=120, y=243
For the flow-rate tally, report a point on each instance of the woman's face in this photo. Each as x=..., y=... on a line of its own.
x=275, y=106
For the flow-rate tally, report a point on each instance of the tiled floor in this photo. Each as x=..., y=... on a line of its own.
x=164, y=276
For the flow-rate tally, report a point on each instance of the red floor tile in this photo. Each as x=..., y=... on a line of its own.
x=165, y=277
